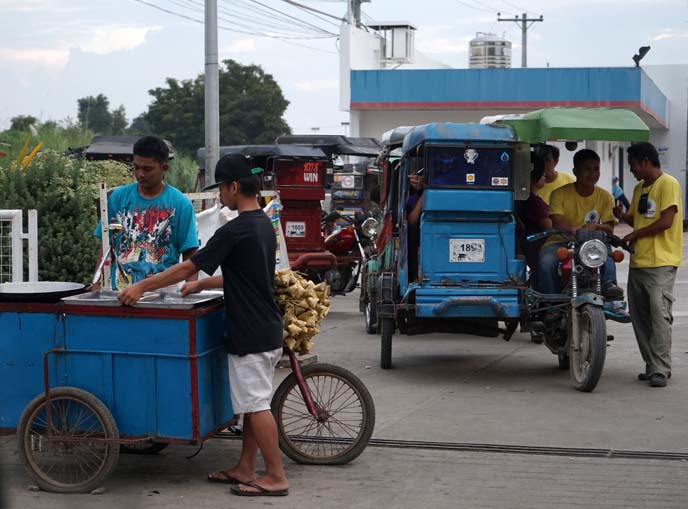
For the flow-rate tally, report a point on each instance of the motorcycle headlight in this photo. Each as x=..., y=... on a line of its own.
x=369, y=227
x=593, y=253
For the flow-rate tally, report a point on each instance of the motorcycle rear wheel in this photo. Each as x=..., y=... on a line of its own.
x=588, y=361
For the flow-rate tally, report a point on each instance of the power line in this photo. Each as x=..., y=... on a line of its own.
x=270, y=13
x=285, y=14
x=234, y=30
x=287, y=28
x=491, y=11
x=305, y=7
x=520, y=9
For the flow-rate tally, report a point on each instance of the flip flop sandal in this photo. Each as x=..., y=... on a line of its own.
x=262, y=492
x=223, y=477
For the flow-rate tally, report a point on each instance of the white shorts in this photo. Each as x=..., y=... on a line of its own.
x=250, y=380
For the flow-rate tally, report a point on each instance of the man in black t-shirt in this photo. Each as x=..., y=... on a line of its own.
x=244, y=249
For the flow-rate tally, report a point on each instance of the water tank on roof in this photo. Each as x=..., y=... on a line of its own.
x=488, y=51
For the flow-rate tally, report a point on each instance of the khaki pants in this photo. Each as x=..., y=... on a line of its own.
x=650, y=300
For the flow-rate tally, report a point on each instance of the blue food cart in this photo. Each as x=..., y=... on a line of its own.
x=151, y=374
x=83, y=377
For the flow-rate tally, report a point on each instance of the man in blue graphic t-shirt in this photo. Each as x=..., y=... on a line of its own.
x=158, y=221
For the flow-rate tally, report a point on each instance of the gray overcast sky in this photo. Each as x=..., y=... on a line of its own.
x=53, y=52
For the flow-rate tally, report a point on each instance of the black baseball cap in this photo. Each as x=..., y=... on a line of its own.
x=233, y=167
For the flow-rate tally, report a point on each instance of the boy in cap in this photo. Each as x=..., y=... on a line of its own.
x=244, y=248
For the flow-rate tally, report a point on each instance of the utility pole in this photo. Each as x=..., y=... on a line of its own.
x=523, y=22
x=212, y=93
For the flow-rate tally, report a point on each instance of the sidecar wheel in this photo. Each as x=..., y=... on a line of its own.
x=370, y=313
x=587, y=362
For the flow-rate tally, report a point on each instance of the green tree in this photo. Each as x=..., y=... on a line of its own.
x=94, y=114
x=119, y=121
x=64, y=190
x=140, y=126
x=22, y=122
x=251, y=109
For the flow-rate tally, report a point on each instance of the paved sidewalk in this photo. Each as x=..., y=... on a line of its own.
x=380, y=477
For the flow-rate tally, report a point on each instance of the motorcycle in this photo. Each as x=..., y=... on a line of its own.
x=572, y=324
x=350, y=240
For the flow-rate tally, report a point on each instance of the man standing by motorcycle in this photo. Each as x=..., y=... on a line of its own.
x=657, y=240
x=581, y=204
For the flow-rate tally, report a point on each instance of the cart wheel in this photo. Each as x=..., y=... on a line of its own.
x=386, y=333
x=74, y=458
x=142, y=448
x=345, y=427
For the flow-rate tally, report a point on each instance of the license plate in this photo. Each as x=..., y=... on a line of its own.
x=466, y=250
x=295, y=229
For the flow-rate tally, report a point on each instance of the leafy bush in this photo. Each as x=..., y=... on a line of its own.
x=182, y=173
x=65, y=193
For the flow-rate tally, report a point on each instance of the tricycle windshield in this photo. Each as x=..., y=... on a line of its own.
x=469, y=167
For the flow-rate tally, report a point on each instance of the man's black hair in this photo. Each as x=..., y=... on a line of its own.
x=538, y=169
x=584, y=155
x=549, y=151
x=153, y=147
x=644, y=150
x=249, y=186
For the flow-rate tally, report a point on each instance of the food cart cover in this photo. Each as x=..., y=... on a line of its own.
x=334, y=144
x=449, y=132
x=595, y=124
x=262, y=152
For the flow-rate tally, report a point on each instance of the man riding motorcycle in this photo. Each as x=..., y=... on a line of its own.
x=581, y=204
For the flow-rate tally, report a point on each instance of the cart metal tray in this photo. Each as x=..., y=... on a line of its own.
x=158, y=300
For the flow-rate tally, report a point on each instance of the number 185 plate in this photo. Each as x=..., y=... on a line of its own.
x=466, y=250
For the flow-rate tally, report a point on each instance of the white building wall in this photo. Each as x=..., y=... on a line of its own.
x=672, y=80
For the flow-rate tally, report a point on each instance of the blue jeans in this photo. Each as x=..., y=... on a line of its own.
x=549, y=281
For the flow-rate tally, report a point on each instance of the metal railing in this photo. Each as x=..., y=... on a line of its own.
x=12, y=249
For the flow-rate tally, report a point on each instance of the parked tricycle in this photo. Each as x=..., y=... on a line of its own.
x=457, y=269
x=344, y=236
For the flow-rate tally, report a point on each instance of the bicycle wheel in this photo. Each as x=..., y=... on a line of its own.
x=75, y=458
x=346, y=423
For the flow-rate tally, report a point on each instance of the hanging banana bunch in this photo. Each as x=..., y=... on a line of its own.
x=304, y=305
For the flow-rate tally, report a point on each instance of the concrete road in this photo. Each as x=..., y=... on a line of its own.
x=449, y=388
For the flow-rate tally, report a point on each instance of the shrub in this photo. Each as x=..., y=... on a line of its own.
x=182, y=173
x=64, y=191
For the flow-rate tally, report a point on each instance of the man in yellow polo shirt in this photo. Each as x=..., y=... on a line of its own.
x=553, y=178
x=579, y=205
x=657, y=238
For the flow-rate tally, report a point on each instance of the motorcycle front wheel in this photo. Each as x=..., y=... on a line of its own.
x=587, y=361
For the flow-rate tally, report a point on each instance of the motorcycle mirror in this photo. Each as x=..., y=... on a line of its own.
x=369, y=226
